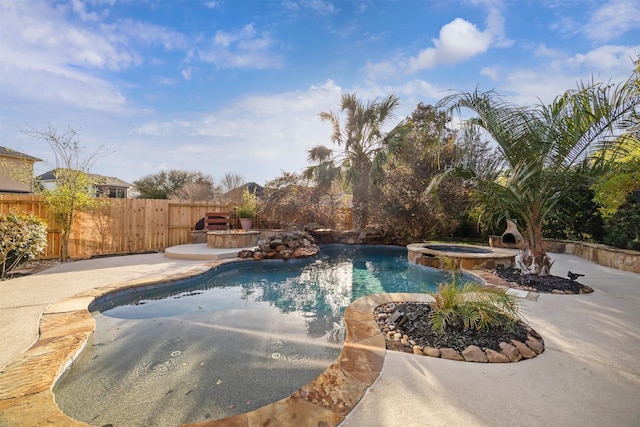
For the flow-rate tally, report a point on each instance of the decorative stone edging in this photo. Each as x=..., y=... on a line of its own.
x=509, y=352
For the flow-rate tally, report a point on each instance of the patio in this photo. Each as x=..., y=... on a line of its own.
x=589, y=373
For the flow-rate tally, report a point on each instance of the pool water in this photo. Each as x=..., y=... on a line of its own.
x=230, y=341
x=463, y=249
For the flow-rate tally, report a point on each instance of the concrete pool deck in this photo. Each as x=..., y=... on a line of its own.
x=589, y=374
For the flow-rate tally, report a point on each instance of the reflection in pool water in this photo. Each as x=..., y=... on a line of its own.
x=229, y=341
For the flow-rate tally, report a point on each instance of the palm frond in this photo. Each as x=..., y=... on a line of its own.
x=319, y=154
x=472, y=306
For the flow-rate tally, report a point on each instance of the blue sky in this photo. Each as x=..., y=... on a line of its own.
x=235, y=86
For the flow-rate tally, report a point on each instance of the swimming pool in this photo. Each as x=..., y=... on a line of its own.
x=228, y=342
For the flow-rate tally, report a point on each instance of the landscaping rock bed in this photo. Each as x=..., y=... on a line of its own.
x=285, y=245
x=407, y=328
x=546, y=284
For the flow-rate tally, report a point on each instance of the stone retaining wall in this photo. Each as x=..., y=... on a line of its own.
x=228, y=239
x=351, y=237
x=622, y=259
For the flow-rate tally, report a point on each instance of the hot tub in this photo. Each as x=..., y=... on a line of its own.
x=469, y=257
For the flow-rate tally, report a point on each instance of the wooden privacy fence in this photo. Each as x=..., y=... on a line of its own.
x=118, y=226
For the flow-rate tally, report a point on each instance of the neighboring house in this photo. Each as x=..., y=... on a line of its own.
x=235, y=195
x=104, y=185
x=16, y=171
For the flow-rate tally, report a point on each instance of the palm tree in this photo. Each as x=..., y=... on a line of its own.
x=541, y=150
x=364, y=149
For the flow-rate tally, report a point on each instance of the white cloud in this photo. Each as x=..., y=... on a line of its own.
x=53, y=33
x=319, y=6
x=50, y=57
x=47, y=34
x=157, y=128
x=127, y=31
x=62, y=87
x=79, y=8
x=606, y=58
x=261, y=134
x=290, y=6
x=381, y=70
x=165, y=81
x=412, y=92
x=225, y=39
x=613, y=19
x=550, y=79
x=566, y=25
x=186, y=73
x=491, y=72
x=542, y=51
x=459, y=40
x=241, y=49
x=495, y=26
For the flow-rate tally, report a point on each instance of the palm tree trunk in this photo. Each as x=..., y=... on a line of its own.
x=533, y=259
x=360, y=210
x=361, y=191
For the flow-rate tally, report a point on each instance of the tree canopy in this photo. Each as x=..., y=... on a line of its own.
x=177, y=184
x=364, y=147
x=74, y=189
x=542, y=149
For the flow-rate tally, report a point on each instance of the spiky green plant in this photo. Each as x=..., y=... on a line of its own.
x=472, y=306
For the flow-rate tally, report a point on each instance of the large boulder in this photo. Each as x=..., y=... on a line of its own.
x=290, y=244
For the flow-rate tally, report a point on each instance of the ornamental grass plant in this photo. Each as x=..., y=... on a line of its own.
x=472, y=306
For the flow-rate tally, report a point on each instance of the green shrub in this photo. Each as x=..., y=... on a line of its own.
x=575, y=218
x=622, y=230
x=472, y=306
x=22, y=237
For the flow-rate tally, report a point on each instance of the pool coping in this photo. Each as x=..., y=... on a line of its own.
x=27, y=399
x=422, y=254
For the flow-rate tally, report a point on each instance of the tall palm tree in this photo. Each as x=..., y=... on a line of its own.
x=541, y=150
x=364, y=148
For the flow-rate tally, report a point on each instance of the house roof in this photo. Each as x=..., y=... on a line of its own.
x=8, y=152
x=235, y=195
x=103, y=180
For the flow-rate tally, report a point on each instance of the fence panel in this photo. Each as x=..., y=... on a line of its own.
x=117, y=226
x=121, y=226
x=184, y=216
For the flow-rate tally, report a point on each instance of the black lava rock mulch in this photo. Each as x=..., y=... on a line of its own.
x=547, y=284
x=418, y=328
